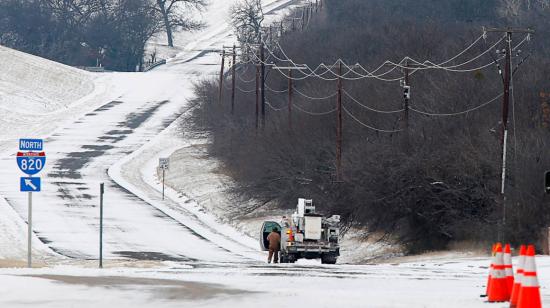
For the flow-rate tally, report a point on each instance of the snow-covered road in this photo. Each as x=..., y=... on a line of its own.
x=79, y=154
x=456, y=282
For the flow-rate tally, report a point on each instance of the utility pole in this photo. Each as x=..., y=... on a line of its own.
x=233, y=71
x=290, y=100
x=221, y=77
x=290, y=87
x=339, y=127
x=262, y=79
x=505, y=112
x=406, y=97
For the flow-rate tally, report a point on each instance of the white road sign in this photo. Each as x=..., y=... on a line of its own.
x=164, y=163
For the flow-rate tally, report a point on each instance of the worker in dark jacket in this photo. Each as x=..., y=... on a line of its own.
x=274, y=239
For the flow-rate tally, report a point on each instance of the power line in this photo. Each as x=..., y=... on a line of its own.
x=315, y=98
x=370, y=108
x=314, y=113
x=246, y=81
x=424, y=66
x=368, y=126
x=273, y=108
x=245, y=91
x=275, y=91
x=456, y=113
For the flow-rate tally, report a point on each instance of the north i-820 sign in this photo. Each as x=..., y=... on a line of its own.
x=31, y=162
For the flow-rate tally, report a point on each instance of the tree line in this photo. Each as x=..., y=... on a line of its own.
x=110, y=33
x=444, y=186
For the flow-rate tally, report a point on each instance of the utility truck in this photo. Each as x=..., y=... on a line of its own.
x=306, y=234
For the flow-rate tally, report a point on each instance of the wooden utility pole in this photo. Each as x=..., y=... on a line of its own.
x=290, y=87
x=233, y=75
x=505, y=114
x=290, y=99
x=221, y=77
x=262, y=79
x=339, y=127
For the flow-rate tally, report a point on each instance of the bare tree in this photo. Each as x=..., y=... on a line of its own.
x=247, y=17
x=174, y=15
x=510, y=8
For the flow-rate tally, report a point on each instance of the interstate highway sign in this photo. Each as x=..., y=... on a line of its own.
x=30, y=184
x=31, y=162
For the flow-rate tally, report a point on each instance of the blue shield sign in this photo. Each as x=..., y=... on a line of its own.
x=30, y=184
x=31, y=162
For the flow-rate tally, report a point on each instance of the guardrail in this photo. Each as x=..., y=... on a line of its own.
x=93, y=69
x=154, y=65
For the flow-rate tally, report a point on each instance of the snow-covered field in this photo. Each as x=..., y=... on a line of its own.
x=33, y=85
x=185, y=250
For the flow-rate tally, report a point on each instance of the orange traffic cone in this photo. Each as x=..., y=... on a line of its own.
x=498, y=291
x=529, y=294
x=508, y=269
x=490, y=270
x=519, y=277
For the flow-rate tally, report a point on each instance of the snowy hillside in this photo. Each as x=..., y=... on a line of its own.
x=37, y=95
x=30, y=84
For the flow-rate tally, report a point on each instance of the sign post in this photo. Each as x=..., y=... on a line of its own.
x=164, y=164
x=101, y=192
x=29, y=233
x=31, y=160
x=163, y=171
